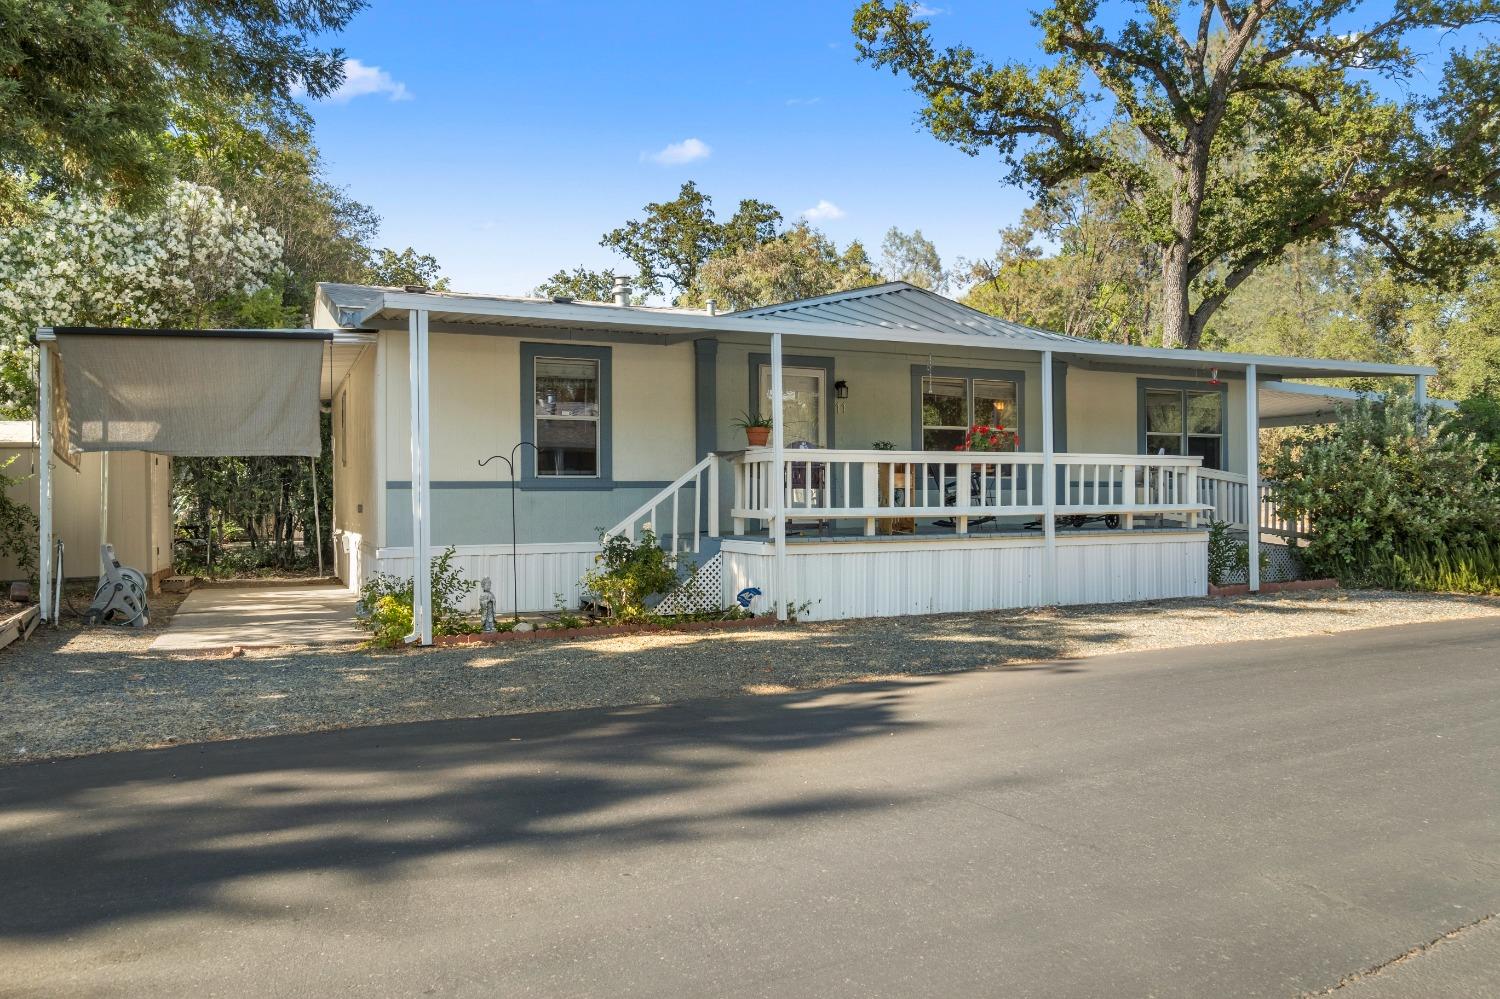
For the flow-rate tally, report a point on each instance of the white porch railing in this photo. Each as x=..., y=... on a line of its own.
x=831, y=484
x=700, y=480
x=1227, y=494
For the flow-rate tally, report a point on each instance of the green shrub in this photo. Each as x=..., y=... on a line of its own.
x=629, y=574
x=1228, y=558
x=18, y=524
x=385, y=603
x=1389, y=505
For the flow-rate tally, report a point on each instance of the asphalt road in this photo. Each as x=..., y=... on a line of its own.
x=1258, y=819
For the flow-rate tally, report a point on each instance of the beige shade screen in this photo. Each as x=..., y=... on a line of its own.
x=189, y=393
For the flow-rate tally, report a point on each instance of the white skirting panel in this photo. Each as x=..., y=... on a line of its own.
x=545, y=570
x=354, y=559
x=895, y=578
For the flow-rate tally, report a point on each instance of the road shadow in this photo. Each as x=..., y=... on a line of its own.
x=96, y=840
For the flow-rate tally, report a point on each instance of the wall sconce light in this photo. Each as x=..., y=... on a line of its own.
x=841, y=389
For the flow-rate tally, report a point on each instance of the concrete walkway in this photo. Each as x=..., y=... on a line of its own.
x=219, y=617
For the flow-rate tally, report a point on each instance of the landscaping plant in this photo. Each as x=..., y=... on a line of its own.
x=1391, y=502
x=385, y=603
x=629, y=573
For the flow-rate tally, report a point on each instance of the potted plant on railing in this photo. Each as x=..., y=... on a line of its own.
x=757, y=428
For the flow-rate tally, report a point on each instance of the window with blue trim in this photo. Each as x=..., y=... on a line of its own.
x=566, y=414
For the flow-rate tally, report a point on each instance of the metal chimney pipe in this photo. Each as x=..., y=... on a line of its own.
x=713, y=307
x=621, y=291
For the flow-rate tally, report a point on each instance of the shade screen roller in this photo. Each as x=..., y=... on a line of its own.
x=190, y=395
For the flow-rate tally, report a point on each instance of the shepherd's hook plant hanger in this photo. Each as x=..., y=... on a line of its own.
x=515, y=574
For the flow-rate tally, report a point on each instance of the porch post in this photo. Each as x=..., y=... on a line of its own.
x=44, y=477
x=1421, y=400
x=1049, y=479
x=778, y=484
x=1252, y=472
x=421, y=492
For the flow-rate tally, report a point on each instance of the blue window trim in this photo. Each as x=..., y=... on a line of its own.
x=1182, y=385
x=920, y=371
x=528, y=477
x=795, y=361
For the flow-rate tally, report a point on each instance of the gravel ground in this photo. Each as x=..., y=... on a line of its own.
x=70, y=692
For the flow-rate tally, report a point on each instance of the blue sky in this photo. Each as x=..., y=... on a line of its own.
x=506, y=138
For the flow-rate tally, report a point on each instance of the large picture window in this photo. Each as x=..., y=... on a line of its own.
x=1186, y=421
x=566, y=413
x=951, y=404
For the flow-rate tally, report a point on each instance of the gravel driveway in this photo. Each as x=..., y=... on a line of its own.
x=68, y=692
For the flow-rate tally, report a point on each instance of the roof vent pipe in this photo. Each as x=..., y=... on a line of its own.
x=713, y=307
x=621, y=291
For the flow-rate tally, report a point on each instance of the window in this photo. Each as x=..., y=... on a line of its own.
x=951, y=404
x=1185, y=421
x=804, y=403
x=566, y=393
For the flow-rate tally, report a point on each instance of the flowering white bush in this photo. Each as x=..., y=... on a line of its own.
x=80, y=262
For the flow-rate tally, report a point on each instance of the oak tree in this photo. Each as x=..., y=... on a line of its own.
x=1259, y=123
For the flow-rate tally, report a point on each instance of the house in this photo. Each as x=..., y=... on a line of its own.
x=621, y=417
x=125, y=498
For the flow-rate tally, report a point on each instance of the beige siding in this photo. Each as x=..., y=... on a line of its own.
x=1103, y=413
x=140, y=519
x=879, y=406
x=476, y=407
x=356, y=496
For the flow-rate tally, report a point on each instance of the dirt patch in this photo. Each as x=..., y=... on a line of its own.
x=68, y=692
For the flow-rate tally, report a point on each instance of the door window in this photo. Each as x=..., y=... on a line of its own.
x=804, y=404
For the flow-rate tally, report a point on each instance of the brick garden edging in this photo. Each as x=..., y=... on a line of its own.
x=599, y=631
x=1243, y=589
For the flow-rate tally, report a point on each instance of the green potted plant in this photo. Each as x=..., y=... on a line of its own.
x=757, y=428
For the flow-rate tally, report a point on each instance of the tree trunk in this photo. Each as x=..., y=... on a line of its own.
x=1176, y=320
x=1177, y=327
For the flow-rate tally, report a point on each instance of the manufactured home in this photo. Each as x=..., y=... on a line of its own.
x=456, y=416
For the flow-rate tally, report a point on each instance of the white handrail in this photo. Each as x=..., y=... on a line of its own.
x=694, y=475
x=831, y=484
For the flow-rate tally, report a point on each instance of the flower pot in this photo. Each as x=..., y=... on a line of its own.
x=757, y=436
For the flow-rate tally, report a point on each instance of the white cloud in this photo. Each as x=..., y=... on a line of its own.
x=922, y=10
x=823, y=211
x=361, y=81
x=795, y=102
x=673, y=153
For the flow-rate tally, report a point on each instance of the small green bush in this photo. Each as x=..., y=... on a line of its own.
x=629, y=574
x=385, y=603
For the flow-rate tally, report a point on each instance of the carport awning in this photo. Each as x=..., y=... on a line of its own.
x=188, y=392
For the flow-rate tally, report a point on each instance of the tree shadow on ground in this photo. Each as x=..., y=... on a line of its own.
x=96, y=840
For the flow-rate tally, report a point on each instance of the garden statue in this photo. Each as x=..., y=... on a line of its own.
x=486, y=607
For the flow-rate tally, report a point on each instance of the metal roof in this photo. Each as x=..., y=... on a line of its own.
x=897, y=305
x=889, y=313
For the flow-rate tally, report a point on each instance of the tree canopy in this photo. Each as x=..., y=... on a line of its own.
x=673, y=239
x=912, y=257
x=1250, y=126
x=90, y=90
x=800, y=263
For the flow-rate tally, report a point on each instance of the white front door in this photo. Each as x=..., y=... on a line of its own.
x=804, y=404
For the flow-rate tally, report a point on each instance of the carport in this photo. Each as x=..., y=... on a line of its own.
x=179, y=392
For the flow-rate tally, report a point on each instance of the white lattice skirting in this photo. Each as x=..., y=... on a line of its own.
x=703, y=592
